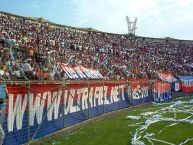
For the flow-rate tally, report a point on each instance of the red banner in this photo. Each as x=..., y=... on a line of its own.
x=161, y=87
x=55, y=98
x=139, y=87
x=168, y=77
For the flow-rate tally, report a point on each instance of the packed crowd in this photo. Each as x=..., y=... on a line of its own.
x=34, y=49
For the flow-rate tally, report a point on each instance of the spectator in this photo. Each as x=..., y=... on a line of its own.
x=26, y=67
x=2, y=112
x=46, y=45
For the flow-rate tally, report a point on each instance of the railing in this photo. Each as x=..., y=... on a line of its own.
x=36, y=108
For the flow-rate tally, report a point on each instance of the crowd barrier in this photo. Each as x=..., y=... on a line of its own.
x=34, y=110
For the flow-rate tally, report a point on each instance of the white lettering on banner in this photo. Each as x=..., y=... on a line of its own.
x=80, y=73
x=73, y=107
x=68, y=73
x=66, y=107
x=91, y=97
x=16, y=110
x=94, y=72
x=114, y=94
x=91, y=74
x=79, y=93
x=69, y=106
x=72, y=72
x=140, y=93
x=145, y=92
x=98, y=95
x=88, y=73
x=53, y=104
x=85, y=98
x=99, y=74
x=36, y=106
x=177, y=86
x=51, y=101
x=122, y=91
x=106, y=101
x=100, y=101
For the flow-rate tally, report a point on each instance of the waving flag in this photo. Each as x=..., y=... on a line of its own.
x=187, y=83
x=168, y=77
x=80, y=72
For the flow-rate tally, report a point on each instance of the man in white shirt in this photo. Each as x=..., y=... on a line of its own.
x=28, y=70
x=26, y=67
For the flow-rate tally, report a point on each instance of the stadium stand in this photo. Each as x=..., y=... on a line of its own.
x=38, y=47
x=39, y=50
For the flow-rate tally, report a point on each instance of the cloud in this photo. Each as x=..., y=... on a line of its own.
x=35, y=4
x=156, y=18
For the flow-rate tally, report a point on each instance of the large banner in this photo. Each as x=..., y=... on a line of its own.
x=139, y=91
x=161, y=91
x=50, y=106
x=168, y=77
x=39, y=109
x=187, y=83
x=80, y=72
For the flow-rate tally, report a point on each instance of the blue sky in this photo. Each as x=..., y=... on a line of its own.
x=156, y=18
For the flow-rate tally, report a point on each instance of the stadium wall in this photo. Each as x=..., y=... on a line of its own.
x=34, y=110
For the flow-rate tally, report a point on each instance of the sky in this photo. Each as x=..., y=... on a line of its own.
x=156, y=18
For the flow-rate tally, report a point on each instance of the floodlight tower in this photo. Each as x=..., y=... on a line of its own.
x=131, y=26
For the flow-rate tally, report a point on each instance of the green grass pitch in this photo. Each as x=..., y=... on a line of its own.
x=173, y=125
